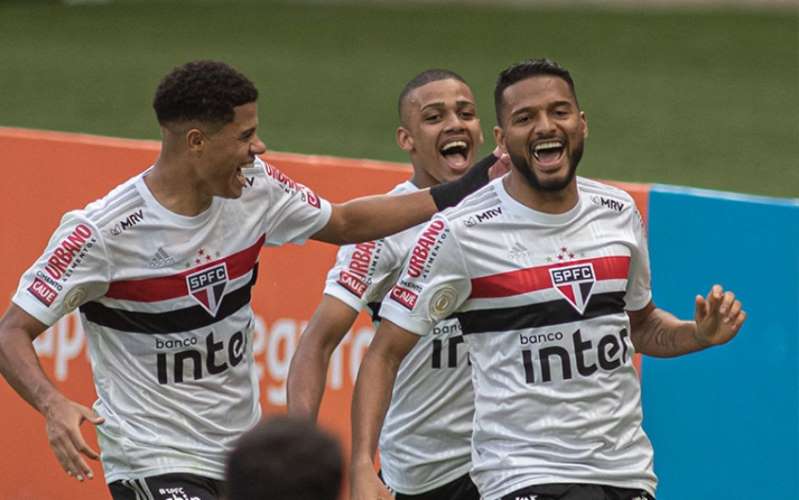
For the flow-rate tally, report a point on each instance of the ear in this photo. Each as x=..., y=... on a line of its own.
x=499, y=138
x=195, y=140
x=584, y=121
x=404, y=139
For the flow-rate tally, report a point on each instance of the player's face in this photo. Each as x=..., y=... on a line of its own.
x=543, y=131
x=230, y=149
x=441, y=131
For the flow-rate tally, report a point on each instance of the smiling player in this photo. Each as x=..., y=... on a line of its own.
x=161, y=269
x=548, y=275
x=425, y=442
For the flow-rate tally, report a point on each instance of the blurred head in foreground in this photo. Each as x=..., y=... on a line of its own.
x=284, y=459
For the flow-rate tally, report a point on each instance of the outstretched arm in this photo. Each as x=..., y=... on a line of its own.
x=371, y=398
x=374, y=217
x=717, y=319
x=308, y=371
x=20, y=367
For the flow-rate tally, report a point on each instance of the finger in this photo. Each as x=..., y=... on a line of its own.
x=81, y=446
x=713, y=300
x=726, y=303
x=61, y=456
x=739, y=321
x=735, y=309
x=700, y=308
x=88, y=451
x=89, y=415
x=85, y=469
x=70, y=460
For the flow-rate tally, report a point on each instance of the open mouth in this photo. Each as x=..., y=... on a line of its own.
x=548, y=153
x=240, y=177
x=456, y=153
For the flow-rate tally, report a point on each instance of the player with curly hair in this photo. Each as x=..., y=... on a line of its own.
x=161, y=269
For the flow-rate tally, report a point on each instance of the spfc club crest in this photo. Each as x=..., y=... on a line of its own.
x=575, y=283
x=208, y=286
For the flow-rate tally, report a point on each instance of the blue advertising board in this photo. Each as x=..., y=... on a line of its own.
x=725, y=422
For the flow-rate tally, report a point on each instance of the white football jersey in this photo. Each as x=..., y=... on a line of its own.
x=165, y=303
x=426, y=437
x=541, y=300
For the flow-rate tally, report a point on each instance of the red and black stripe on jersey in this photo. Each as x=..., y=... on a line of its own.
x=541, y=314
x=174, y=287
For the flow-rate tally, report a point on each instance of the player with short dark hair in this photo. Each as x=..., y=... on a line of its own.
x=528, y=69
x=284, y=459
x=161, y=269
x=202, y=91
x=548, y=275
x=425, y=442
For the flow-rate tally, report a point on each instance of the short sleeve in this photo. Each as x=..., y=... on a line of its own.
x=639, y=281
x=72, y=270
x=295, y=212
x=434, y=281
x=363, y=273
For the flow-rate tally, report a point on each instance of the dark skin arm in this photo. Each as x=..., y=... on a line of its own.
x=371, y=399
x=717, y=319
x=20, y=366
x=374, y=217
x=308, y=372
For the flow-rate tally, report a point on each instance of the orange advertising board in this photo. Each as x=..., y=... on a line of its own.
x=46, y=174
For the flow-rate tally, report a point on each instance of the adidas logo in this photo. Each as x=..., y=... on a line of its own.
x=517, y=251
x=160, y=259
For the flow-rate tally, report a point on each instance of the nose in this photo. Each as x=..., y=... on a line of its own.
x=544, y=124
x=257, y=146
x=454, y=123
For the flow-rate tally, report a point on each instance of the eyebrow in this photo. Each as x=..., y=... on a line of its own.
x=442, y=104
x=555, y=104
x=247, y=132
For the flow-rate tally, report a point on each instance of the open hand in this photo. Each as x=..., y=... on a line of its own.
x=63, y=420
x=718, y=317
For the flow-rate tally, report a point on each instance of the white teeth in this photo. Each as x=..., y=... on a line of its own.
x=545, y=145
x=454, y=144
x=548, y=145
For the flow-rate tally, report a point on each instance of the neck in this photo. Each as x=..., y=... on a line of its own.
x=422, y=179
x=549, y=202
x=174, y=186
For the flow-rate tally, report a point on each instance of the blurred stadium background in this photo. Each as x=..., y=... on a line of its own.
x=688, y=92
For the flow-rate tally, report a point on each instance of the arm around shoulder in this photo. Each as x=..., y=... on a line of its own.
x=374, y=217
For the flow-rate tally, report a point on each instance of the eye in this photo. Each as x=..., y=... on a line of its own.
x=521, y=119
x=562, y=111
x=467, y=115
x=432, y=118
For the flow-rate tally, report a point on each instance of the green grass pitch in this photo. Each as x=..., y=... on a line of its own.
x=706, y=98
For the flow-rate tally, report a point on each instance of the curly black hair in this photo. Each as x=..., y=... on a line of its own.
x=284, y=458
x=524, y=70
x=204, y=91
